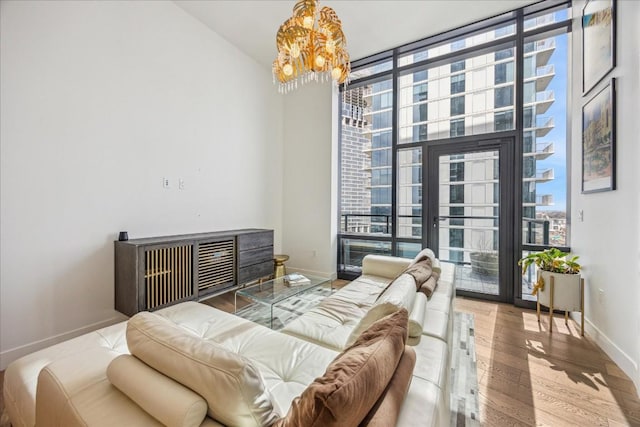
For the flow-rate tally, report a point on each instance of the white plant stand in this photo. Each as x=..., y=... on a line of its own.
x=561, y=292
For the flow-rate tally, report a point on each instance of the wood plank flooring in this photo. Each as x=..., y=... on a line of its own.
x=529, y=377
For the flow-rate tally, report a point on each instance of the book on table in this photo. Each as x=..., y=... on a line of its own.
x=296, y=279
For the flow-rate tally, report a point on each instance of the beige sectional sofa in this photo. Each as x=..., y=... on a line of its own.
x=72, y=383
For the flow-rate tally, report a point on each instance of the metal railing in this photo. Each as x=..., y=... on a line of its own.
x=354, y=246
x=374, y=220
x=530, y=229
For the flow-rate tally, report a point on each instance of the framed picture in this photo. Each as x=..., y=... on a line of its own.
x=598, y=41
x=599, y=141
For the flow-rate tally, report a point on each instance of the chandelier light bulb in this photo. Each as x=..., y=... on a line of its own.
x=295, y=50
x=336, y=73
x=330, y=46
x=320, y=61
x=287, y=69
x=307, y=22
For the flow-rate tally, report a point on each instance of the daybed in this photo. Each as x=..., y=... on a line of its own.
x=250, y=374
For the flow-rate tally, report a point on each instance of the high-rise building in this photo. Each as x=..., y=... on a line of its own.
x=471, y=96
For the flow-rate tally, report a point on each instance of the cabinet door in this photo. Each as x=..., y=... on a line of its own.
x=216, y=265
x=168, y=276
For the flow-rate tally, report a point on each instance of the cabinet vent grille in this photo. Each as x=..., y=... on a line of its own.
x=216, y=264
x=168, y=275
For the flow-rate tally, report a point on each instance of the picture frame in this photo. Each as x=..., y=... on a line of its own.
x=599, y=141
x=598, y=42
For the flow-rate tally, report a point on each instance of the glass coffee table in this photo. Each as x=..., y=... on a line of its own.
x=276, y=291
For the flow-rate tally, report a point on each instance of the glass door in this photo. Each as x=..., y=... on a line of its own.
x=470, y=209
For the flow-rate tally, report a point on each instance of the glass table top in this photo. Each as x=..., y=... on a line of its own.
x=277, y=290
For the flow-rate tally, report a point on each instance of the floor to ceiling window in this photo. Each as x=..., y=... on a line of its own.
x=502, y=81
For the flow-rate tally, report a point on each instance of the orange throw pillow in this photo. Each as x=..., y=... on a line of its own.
x=355, y=380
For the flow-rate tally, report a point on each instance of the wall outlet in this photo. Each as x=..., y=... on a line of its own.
x=600, y=295
x=181, y=184
x=581, y=215
x=314, y=253
x=165, y=183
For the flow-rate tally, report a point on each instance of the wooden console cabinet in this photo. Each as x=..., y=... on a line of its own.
x=155, y=272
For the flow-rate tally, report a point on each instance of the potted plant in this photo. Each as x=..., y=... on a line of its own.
x=484, y=260
x=565, y=290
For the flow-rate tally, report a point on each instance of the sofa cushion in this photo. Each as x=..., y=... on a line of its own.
x=231, y=385
x=386, y=410
x=384, y=266
x=74, y=391
x=399, y=294
x=416, y=317
x=287, y=364
x=355, y=380
x=166, y=400
x=21, y=376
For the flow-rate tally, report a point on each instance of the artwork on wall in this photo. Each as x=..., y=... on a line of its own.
x=598, y=41
x=598, y=141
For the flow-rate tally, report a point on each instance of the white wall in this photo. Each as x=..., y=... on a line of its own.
x=309, y=214
x=608, y=240
x=99, y=101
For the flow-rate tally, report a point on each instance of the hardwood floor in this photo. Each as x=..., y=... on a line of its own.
x=529, y=377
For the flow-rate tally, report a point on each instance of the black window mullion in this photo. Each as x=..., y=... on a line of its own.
x=517, y=164
x=394, y=155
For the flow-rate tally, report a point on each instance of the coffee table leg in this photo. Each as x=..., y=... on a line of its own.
x=271, y=318
x=235, y=302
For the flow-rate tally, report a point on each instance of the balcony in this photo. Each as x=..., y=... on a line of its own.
x=544, y=101
x=541, y=100
x=544, y=75
x=542, y=175
x=544, y=200
x=544, y=49
x=543, y=150
x=544, y=125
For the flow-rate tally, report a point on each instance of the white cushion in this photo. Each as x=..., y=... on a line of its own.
x=166, y=400
x=21, y=376
x=287, y=364
x=231, y=385
x=423, y=405
x=74, y=391
x=436, y=267
x=384, y=266
x=400, y=294
x=416, y=316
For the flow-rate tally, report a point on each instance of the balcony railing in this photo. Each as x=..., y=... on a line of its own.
x=354, y=246
x=547, y=95
x=536, y=231
x=546, y=70
x=542, y=151
x=544, y=200
x=545, y=44
x=369, y=223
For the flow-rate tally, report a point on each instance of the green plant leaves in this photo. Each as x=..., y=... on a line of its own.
x=553, y=260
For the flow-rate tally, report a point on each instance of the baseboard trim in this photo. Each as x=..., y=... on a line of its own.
x=8, y=356
x=622, y=359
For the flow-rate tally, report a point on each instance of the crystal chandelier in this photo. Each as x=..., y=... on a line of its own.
x=311, y=47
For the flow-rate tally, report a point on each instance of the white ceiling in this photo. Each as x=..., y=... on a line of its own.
x=370, y=26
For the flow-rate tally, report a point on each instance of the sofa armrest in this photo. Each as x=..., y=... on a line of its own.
x=384, y=266
x=75, y=391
